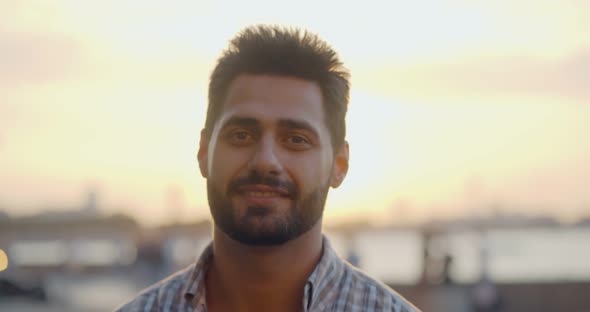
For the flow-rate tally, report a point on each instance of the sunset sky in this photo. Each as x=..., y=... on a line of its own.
x=456, y=106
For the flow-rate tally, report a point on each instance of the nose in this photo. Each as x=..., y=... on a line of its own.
x=265, y=159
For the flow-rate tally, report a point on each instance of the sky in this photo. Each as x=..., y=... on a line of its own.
x=458, y=108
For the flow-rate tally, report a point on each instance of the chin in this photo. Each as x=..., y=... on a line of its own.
x=262, y=239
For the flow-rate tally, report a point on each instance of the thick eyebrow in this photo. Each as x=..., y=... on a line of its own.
x=292, y=124
x=246, y=122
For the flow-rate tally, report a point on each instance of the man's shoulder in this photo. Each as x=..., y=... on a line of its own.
x=375, y=293
x=167, y=291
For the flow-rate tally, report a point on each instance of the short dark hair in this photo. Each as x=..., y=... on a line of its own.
x=275, y=50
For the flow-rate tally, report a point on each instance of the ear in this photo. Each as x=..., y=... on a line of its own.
x=340, y=168
x=203, y=153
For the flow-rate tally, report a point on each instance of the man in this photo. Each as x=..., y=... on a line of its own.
x=272, y=146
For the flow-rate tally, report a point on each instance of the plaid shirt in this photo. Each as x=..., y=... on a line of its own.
x=334, y=285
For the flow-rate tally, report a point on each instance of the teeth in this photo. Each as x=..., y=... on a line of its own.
x=262, y=194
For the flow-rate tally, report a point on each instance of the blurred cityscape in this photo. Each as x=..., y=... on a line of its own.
x=83, y=260
x=468, y=128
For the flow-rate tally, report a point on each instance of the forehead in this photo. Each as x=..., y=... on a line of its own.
x=271, y=98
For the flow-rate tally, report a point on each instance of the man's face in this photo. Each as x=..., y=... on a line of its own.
x=269, y=161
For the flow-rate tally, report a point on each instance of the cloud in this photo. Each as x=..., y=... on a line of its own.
x=491, y=76
x=32, y=58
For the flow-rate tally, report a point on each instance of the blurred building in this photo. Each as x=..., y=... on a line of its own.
x=61, y=241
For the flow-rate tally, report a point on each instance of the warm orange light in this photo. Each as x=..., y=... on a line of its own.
x=3, y=260
x=440, y=93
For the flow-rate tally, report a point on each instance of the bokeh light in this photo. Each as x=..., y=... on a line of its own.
x=3, y=260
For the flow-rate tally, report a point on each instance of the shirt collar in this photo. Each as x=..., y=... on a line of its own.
x=194, y=288
x=322, y=283
x=320, y=286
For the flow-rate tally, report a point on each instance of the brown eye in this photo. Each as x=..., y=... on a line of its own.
x=240, y=137
x=297, y=142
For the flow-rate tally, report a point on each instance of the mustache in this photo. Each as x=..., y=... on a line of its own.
x=254, y=177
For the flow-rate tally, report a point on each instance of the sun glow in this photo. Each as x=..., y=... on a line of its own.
x=113, y=93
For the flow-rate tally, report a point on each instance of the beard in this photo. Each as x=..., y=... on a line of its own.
x=278, y=228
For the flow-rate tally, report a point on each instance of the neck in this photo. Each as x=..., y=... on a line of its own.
x=261, y=278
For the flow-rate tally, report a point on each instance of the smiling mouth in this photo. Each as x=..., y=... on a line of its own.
x=262, y=194
x=262, y=191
